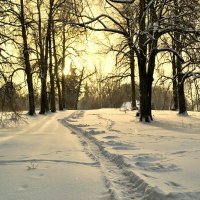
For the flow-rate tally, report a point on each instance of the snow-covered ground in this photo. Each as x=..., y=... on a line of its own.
x=43, y=160
x=160, y=160
x=101, y=154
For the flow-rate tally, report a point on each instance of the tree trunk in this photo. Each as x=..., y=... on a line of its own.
x=27, y=63
x=180, y=75
x=52, y=93
x=63, y=84
x=43, y=66
x=63, y=67
x=145, y=93
x=178, y=48
x=44, y=99
x=145, y=90
x=151, y=68
x=175, y=86
x=132, y=67
x=44, y=106
x=30, y=93
x=181, y=95
x=152, y=54
x=132, y=64
x=145, y=108
x=56, y=70
x=150, y=82
x=79, y=89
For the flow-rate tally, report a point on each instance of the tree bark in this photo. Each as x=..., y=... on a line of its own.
x=44, y=99
x=151, y=67
x=178, y=47
x=27, y=62
x=145, y=93
x=43, y=65
x=145, y=110
x=51, y=74
x=78, y=90
x=63, y=84
x=175, y=86
x=132, y=62
x=181, y=94
x=132, y=68
x=56, y=69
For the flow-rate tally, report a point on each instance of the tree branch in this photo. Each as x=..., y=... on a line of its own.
x=173, y=51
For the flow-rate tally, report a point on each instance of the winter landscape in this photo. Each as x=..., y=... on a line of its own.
x=99, y=100
x=101, y=154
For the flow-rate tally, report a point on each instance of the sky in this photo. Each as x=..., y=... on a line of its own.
x=93, y=55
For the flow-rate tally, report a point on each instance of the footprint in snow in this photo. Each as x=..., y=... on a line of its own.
x=82, y=125
x=179, y=152
x=157, y=167
x=120, y=146
x=110, y=137
x=23, y=187
x=148, y=176
x=154, y=162
x=41, y=174
x=173, y=184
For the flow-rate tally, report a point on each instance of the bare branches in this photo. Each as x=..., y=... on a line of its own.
x=100, y=19
x=183, y=30
x=173, y=51
x=122, y=1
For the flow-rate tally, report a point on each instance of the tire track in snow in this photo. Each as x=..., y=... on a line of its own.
x=118, y=181
x=26, y=129
x=10, y=162
x=38, y=125
x=42, y=125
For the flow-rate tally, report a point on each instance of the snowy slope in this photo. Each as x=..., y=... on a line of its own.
x=156, y=161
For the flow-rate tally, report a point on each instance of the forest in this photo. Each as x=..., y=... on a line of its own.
x=154, y=45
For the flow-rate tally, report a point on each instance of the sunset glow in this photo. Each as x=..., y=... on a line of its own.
x=66, y=71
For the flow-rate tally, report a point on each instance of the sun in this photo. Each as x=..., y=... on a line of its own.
x=66, y=71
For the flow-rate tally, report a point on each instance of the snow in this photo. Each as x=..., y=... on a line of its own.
x=45, y=161
x=126, y=106
x=160, y=158
x=101, y=154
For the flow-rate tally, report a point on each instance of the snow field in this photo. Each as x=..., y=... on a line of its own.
x=43, y=160
x=159, y=160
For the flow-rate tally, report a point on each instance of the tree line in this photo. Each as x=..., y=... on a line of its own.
x=35, y=41
x=151, y=29
x=36, y=36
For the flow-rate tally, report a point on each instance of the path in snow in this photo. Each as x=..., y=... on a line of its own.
x=156, y=161
x=44, y=161
x=121, y=184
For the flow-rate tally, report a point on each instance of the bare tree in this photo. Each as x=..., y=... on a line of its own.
x=18, y=20
x=123, y=25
